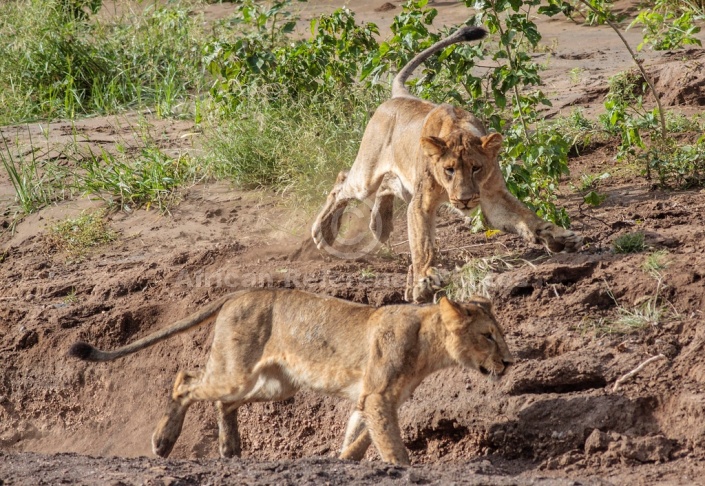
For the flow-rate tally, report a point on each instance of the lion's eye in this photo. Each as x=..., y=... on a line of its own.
x=489, y=337
x=476, y=169
x=450, y=171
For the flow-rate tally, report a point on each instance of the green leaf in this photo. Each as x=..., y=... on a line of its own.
x=594, y=199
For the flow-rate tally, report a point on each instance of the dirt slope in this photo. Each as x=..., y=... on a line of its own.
x=555, y=416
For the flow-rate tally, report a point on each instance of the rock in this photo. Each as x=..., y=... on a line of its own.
x=646, y=449
x=597, y=441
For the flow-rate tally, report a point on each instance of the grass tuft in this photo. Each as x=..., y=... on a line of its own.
x=31, y=190
x=656, y=262
x=53, y=65
x=76, y=236
x=629, y=243
x=152, y=178
x=472, y=279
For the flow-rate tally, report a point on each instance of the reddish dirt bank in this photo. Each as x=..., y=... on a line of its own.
x=555, y=419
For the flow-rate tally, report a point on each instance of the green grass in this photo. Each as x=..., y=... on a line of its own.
x=656, y=262
x=472, y=279
x=54, y=66
x=31, y=190
x=128, y=181
x=75, y=236
x=629, y=243
x=296, y=148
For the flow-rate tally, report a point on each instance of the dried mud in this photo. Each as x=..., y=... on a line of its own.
x=554, y=419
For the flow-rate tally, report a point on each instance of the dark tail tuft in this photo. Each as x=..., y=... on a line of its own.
x=471, y=33
x=82, y=351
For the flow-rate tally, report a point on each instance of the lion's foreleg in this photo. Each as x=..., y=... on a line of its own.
x=357, y=438
x=507, y=213
x=380, y=415
x=169, y=427
x=422, y=224
x=228, y=432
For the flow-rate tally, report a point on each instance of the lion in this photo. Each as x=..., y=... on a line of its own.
x=428, y=155
x=269, y=343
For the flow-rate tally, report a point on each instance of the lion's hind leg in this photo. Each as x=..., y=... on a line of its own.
x=327, y=224
x=382, y=217
x=228, y=432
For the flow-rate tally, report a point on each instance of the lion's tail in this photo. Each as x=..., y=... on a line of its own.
x=88, y=352
x=464, y=34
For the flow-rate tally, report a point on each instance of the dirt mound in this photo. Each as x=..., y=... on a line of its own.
x=680, y=78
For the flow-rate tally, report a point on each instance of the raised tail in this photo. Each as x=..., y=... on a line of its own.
x=88, y=352
x=464, y=34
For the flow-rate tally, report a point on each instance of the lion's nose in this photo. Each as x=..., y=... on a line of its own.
x=508, y=362
x=465, y=202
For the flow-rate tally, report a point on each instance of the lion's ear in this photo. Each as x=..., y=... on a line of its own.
x=492, y=143
x=433, y=147
x=452, y=314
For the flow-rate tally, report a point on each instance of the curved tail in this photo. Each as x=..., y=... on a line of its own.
x=464, y=34
x=88, y=352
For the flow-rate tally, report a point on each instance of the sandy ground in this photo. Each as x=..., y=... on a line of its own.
x=555, y=419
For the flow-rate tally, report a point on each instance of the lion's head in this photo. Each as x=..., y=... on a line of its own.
x=474, y=338
x=459, y=162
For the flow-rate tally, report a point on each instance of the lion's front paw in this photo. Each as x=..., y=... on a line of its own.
x=163, y=442
x=425, y=288
x=558, y=239
x=423, y=291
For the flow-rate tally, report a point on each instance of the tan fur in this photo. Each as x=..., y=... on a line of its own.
x=268, y=344
x=427, y=155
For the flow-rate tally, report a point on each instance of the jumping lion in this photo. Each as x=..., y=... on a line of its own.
x=269, y=343
x=427, y=155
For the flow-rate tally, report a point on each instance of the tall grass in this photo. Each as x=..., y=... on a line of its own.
x=297, y=147
x=31, y=190
x=53, y=65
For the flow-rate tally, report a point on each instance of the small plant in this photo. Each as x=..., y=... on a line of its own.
x=590, y=181
x=640, y=317
x=71, y=297
x=670, y=24
x=676, y=165
x=367, y=273
x=629, y=243
x=576, y=74
x=578, y=130
x=649, y=313
x=627, y=321
x=472, y=278
x=656, y=262
x=31, y=191
x=588, y=188
x=150, y=179
x=75, y=236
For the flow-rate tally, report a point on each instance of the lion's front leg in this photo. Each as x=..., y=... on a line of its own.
x=380, y=413
x=507, y=213
x=423, y=279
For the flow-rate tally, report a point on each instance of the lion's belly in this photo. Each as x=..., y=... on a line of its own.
x=327, y=378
